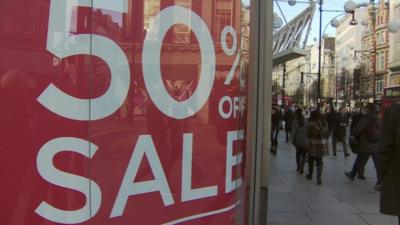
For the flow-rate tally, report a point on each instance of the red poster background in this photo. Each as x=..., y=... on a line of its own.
x=27, y=68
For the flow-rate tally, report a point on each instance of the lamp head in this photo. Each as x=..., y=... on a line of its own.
x=278, y=22
x=335, y=23
x=394, y=26
x=350, y=6
x=292, y=2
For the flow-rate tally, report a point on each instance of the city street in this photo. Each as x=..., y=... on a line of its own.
x=294, y=200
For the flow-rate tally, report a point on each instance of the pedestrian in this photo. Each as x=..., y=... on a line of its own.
x=368, y=130
x=276, y=120
x=317, y=134
x=300, y=141
x=389, y=161
x=288, y=118
x=331, y=119
x=341, y=123
x=355, y=139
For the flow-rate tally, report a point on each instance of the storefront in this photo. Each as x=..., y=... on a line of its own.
x=134, y=111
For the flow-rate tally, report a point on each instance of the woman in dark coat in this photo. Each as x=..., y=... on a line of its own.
x=368, y=132
x=341, y=123
x=288, y=117
x=389, y=160
x=300, y=141
x=317, y=134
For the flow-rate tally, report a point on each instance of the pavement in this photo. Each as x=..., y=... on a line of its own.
x=294, y=200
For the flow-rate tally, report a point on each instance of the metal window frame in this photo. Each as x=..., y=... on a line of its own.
x=259, y=107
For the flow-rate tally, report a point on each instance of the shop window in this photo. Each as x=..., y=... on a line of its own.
x=379, y=86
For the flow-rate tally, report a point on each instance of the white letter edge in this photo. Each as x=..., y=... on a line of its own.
x=60, y=178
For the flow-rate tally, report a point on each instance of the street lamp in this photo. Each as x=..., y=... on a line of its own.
x=394, y=26
x=350, y=6
x=277, y=21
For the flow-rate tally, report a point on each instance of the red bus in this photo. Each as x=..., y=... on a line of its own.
x=390, y=95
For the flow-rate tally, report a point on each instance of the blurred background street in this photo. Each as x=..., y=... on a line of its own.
x=294, y=200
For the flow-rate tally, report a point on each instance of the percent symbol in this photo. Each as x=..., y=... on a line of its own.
x=230, y=51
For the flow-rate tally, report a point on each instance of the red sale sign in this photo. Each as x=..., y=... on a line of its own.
x=123, y=112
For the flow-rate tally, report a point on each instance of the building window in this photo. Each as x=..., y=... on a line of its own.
x=379, y=86
x=380, y=61
x=380, y=37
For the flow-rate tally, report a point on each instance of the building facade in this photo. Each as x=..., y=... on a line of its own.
x=394, y=46
x=375, y=52
x=347, y=60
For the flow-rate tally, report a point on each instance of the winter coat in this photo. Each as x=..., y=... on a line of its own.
x=317, y=134
x=389, y=161
x=354, y=121
x=300, y=134
x=276, y=120
x=288, y=117
x=341, y=123
x=365, y=145
x=331, y=118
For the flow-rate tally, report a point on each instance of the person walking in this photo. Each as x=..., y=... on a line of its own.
x=276, y=119
x=300, y=141
x=389, y=159
x=331, y=117
x=354, y=139
x=368, y=130
x=341, y=123
x=317, y=134
x=288, y=118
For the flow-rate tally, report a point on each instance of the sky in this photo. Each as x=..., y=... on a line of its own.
x=291, y=11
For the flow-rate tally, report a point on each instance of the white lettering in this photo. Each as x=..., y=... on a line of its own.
x=151, y=62
x=144, y=146
x=232, y=160
x=235, y=106
x=223, y=114
x=188, y=193
x=57, y=177
x=62, y=45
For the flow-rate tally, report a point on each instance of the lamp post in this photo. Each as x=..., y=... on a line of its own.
x=334, y=23
x=320, y=2
x=283, y=82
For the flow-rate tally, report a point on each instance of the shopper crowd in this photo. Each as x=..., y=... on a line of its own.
x=370, y=136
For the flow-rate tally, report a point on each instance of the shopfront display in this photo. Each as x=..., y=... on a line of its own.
x=124, y=112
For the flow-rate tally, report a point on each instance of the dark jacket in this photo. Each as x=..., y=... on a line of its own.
x=300, y=134
x=354, y=121
x=341, y=123
x=389, y=161
x=361, y=131
x=288, y=117
x=331, y=119
x=276, y=119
